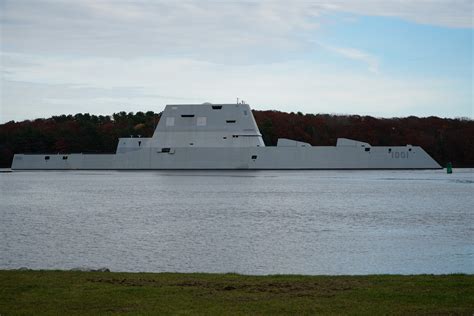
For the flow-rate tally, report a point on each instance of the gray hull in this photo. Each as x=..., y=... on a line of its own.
x=226, y=136
x=255, y=158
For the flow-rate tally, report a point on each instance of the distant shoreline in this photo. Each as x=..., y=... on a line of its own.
x=446, y=140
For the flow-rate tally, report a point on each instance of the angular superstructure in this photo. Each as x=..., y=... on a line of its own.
x=226, y=136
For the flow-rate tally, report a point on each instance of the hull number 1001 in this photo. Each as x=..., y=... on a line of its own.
x=401, y=154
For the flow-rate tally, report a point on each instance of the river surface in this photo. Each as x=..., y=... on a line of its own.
x=250, y=222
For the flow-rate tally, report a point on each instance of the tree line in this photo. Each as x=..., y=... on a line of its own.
x=446, y=140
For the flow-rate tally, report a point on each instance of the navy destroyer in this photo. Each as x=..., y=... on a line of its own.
x=226, y=136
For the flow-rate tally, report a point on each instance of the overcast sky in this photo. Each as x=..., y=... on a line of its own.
x=381, y=58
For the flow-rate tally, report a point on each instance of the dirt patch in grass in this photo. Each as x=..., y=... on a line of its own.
x=302, y=288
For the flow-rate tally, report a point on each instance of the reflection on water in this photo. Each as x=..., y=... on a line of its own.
x=252, y=222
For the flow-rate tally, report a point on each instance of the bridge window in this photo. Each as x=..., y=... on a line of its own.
x=46, y=157
x=165, y=150
x=230, y=121
x=254, y=157
x=170, y=121
x=367, y=149
x=64, y=157
x=187, y=115
x=201, y=121
x=217, y=107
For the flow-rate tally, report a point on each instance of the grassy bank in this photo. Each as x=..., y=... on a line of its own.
x=66, y=292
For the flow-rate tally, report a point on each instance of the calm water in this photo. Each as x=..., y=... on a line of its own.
x=305, y=222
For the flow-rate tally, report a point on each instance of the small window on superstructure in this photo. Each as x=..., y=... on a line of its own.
x=217, y=107
x=367, y=149
x=230, y=121
x=409, y=149
x=245, y=112
x=390, y=150
x=201, y=121
x=165, y=150
x=170, y=121
x=64, y=157
x=46, y=157
x=254, y=157
x=139, y=143
x=224, y=137
x=187, y=115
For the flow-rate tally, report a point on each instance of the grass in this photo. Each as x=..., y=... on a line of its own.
x=74, y=293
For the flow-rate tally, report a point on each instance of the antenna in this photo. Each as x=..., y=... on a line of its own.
x=237, y=100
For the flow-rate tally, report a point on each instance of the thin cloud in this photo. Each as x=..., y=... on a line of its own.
x=203, y=51
x=355, y=54
x=107, y=86
x=218, y=31
x=452, y=13
x=225, y=32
